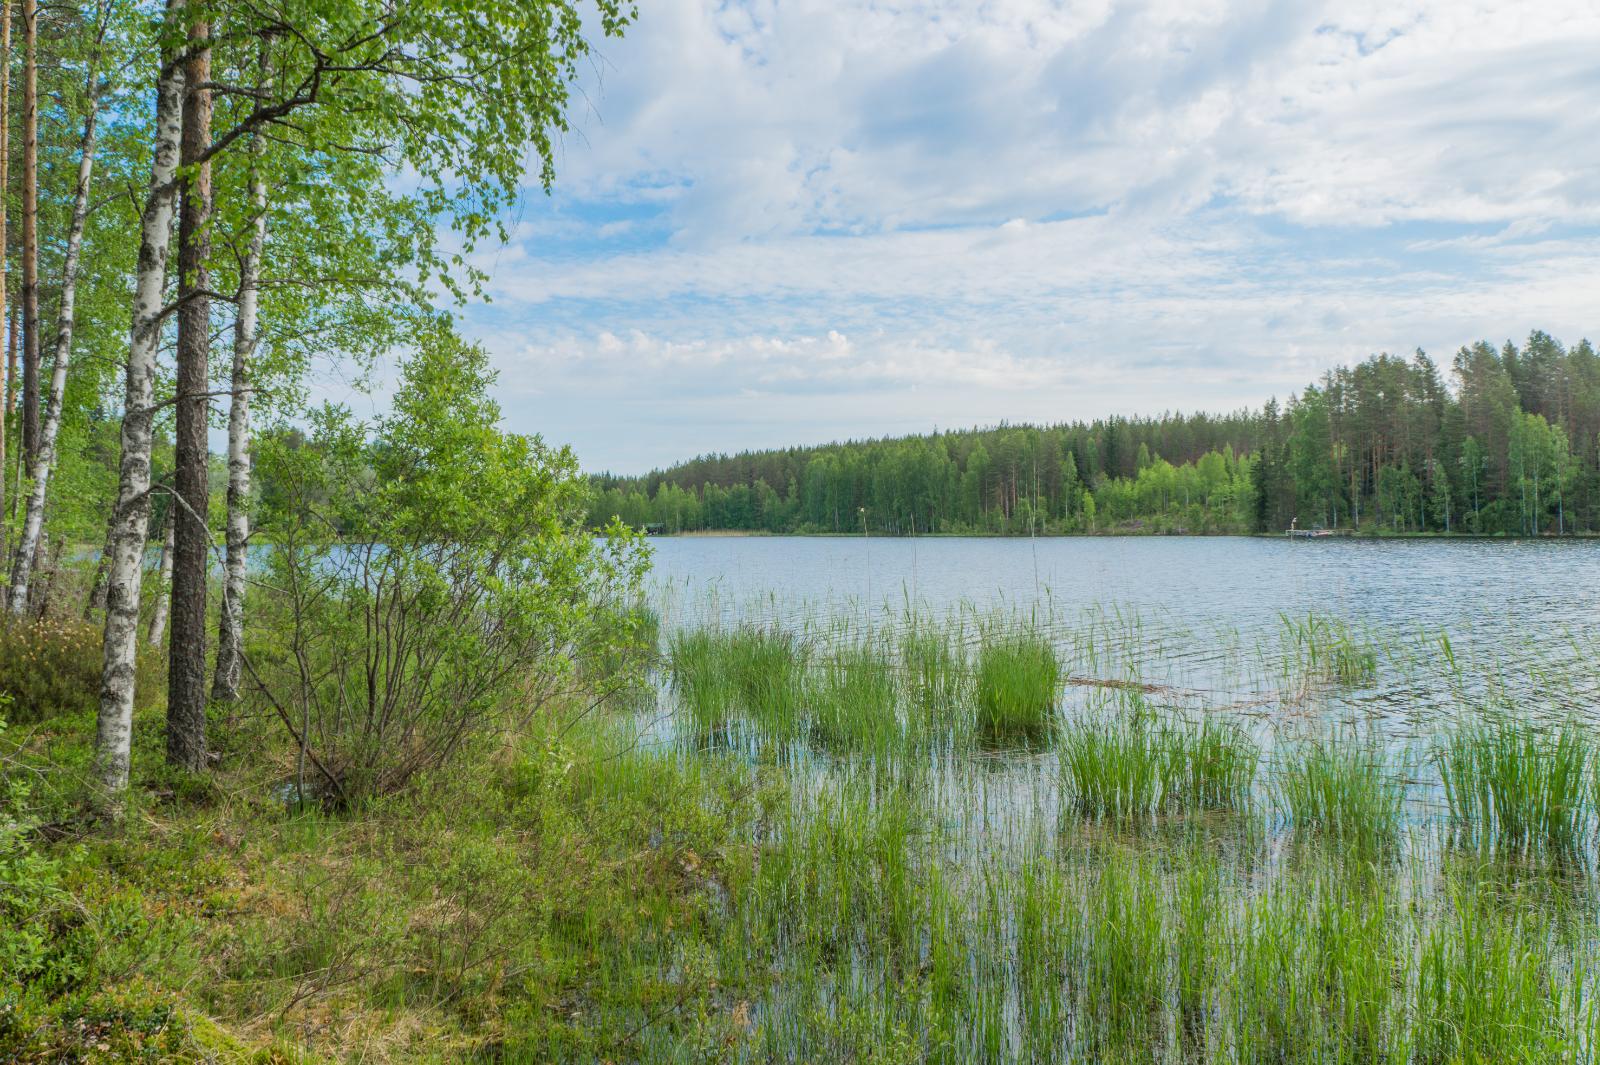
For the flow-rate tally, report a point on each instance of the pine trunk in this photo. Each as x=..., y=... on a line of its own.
x=33, y=515
x=131, y=519
x=225, y=684
x=186, y=677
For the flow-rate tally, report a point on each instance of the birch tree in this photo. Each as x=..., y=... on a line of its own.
x=457, y=92
x=130, y=519
x=44, y=460
x=230, y=636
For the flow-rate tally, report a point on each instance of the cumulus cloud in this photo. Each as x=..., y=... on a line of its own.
x=787, y=221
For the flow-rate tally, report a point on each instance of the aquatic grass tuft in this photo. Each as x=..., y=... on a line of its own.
x=1128, y=764
x=1112, y=765
x=1486, y=988
x=1326, y=650
x=1207, y=765
x=1344, y=791
x=758, y=674
x=699, y=677
x=1018, y=681
x=1516, y=785
x=1126, y=961
x=853, y=699
x=937, y=678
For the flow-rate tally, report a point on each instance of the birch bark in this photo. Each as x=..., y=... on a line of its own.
x=44, y=460
x=225, y=683
x=131, y=519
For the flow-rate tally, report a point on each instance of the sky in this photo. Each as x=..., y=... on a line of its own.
x=781, y=223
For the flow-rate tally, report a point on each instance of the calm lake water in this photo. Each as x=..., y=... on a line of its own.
x=1505, y=590
x=1195, y=611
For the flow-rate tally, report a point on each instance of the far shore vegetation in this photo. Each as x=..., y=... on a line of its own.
x=1506, y=442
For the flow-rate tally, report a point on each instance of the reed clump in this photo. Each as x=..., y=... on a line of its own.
x=699, y=675
x=1328, y=651
x=1112, y=765
x=1345, y=791
x=854, y=699
x=1516, y=785
x=1016, y=686
x=937, y=678
x=1129, y=763
x=1125, y=961
x=1211, y=764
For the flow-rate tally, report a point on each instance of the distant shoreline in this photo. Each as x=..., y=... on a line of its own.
x=1342, y=534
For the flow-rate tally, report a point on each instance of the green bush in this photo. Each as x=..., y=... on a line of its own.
x=431, y=580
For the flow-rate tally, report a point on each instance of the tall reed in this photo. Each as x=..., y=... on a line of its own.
x=854, y=700
x=1515, y=784
x=1345, y=791
x=1328, y=650
x=1017, y=684
x=1129, y=763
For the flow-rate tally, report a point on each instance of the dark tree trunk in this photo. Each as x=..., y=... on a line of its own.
x=186, y=690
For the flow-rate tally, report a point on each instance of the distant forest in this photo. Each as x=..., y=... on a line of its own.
x=1507, y=441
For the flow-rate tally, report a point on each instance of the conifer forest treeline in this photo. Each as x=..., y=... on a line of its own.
x=1504, y=441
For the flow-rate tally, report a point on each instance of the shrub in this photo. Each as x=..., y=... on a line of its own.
x=51, y=667
x=430, y=575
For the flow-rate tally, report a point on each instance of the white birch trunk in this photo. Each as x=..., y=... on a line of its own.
x=131, y=519
x=225, y=684
x=33, y=515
